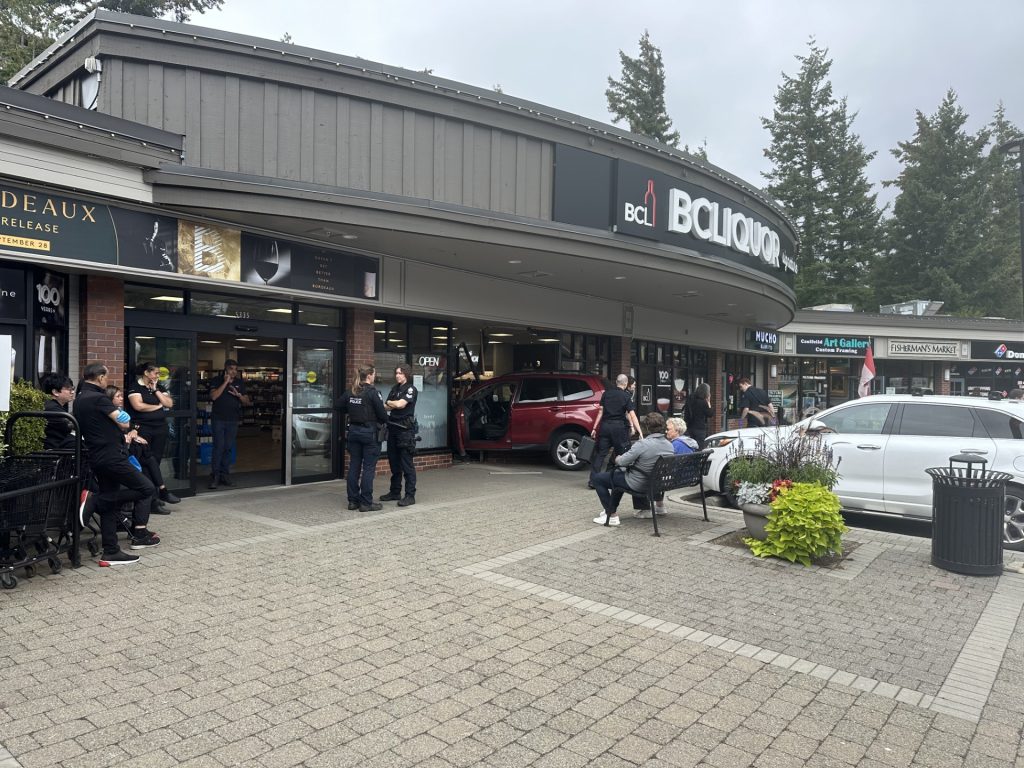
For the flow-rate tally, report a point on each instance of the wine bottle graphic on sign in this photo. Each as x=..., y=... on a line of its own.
x=650, y=201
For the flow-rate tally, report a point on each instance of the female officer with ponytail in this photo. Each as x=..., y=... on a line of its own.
x=366, y=414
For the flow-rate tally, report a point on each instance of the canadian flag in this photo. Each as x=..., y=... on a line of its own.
x=867, y=373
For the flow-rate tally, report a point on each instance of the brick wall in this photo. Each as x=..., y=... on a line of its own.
x=101, y=324
x=422, y=462
x=618, y=355
x=716, y=366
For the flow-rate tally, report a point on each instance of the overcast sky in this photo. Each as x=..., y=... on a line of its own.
x=723, y=60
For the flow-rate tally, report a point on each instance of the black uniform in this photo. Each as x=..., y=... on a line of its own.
x=755, y=400
x=402, y=439
x=108, y=457
x=365, y=414
x=59, y=432
x=614, y=434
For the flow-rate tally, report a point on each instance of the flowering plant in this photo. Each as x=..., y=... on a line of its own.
x=779, y=486
x=753, y=493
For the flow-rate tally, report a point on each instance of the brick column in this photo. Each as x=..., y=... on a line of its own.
x=358, y=341
x=619, y=351
x=942, y=387
x=716, y=365
x=101, y=324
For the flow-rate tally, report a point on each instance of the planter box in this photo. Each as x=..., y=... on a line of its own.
x=755, y=517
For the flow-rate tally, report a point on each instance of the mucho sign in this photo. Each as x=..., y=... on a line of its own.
x=844, y=346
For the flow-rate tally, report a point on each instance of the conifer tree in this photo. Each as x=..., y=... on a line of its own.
x=934, y=236
x=639, y=97
x=818, y=176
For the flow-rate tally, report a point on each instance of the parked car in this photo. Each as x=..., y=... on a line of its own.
x=885, y=443
x=532, y=411
x=311, y=432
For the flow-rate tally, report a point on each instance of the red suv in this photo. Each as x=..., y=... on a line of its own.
x=531, y=411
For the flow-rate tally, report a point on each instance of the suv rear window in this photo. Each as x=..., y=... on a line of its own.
x=1001, y=425
x=937, y=420
x=538, y=391
x=576, y=389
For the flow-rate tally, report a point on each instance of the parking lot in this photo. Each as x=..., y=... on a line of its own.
x=495, y=624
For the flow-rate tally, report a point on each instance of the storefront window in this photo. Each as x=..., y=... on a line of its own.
x=583, y=353
x=215, y=305
x=325, y=317
x=422, y=344
x=153, y=298
x=666, y=374
x=904, y=377
x=736, y=368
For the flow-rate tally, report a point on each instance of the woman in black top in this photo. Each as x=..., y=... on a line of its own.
x=365, y=410
x=698, y=413
x=146, y=403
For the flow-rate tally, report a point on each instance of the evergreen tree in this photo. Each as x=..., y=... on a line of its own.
x=639, y=97
x=995, y=264
x=934, y=236
x=818, y=175
x=27, y=27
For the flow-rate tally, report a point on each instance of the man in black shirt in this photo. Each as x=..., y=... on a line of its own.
x=401, y=406
x=613, y=423
x=227, y=392
x=59, y=431
x=755, y=407
x=103, y=426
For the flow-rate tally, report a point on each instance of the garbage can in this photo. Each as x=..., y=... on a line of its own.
x=968, y=504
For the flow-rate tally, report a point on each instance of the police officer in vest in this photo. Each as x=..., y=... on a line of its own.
x=366, y=414
x=401, y=405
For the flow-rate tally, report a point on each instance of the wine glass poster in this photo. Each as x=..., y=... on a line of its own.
x=266, y=261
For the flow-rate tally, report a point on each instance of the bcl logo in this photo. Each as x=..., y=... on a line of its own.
x=646, y=214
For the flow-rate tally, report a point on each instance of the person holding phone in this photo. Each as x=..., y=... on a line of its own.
x=227, y=392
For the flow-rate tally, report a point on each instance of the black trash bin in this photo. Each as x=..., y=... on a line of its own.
x=968, y=504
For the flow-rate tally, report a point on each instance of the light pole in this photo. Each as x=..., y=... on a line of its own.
x=1015, y=148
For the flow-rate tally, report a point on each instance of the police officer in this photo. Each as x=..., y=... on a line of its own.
x=613, y=423
x=401, y=405
x=366, y=414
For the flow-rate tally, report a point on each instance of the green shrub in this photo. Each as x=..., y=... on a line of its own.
x=28, y=433
x=805, y=523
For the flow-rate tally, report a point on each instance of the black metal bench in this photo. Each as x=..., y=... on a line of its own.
x=671, y=473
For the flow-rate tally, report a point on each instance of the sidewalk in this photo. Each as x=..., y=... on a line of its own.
x=494, y=624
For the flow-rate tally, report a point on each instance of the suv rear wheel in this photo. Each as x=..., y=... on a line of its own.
x=1013, y=519
x=563, y=450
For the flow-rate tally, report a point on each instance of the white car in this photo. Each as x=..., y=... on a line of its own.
x=885, y=443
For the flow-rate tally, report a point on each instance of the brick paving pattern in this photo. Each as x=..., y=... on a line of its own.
x=271, y=628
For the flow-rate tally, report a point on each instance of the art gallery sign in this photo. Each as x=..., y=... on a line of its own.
x=925, y=349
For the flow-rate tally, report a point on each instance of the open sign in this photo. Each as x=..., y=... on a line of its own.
x=429, y=360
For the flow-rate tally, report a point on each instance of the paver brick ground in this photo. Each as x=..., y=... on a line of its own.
x=271, y=628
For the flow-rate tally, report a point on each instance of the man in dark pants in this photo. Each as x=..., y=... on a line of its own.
x=401, y=405
x=103, y=426
x=227, y=392
x=613, y=424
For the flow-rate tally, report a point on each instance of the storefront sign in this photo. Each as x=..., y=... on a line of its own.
x=997, y=350
x=844, y=346
x=941, y=350
x=656, y=206
x=12, y=294
x=646, y=394
x=760, y=340
x=50, y=303
x=39, y=223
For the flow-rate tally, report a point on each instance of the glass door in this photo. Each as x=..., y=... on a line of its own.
x=175, y=353
x=309, y=413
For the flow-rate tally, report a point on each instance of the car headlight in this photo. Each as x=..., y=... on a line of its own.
x=719, y=442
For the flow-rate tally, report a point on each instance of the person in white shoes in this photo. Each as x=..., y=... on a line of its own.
x=675, y=431
x=632, y=469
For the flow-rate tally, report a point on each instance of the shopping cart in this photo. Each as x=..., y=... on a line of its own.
x=37, y=505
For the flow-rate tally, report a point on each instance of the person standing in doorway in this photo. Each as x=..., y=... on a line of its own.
x=147, y=405
x=613, y=423
x=401, y=407
x=366, y=414
x=227, y=392
x=103, y=425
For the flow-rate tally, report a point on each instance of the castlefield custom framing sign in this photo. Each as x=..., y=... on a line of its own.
x=49, y=225
x=596, y=191
x=828, y=344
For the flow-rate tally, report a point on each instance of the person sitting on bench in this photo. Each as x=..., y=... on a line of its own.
x=632, y=469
